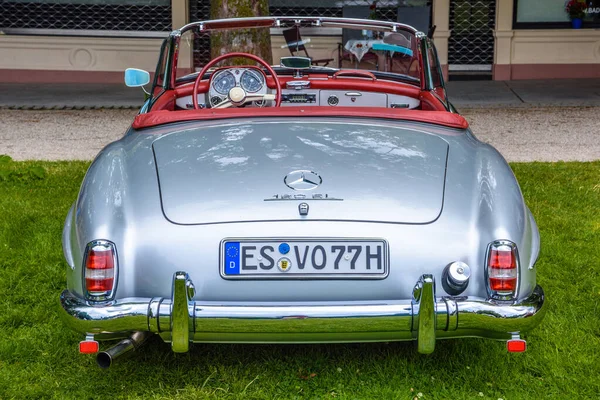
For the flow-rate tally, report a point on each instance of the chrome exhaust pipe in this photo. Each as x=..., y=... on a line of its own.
x=106, y=358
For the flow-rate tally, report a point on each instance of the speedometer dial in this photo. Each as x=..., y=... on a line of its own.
x=223, y=82
x=251, y=81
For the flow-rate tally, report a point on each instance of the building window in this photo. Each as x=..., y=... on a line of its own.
x=550, y=14
x=86, y=17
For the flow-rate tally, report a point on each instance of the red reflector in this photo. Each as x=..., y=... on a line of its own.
x=516, y=345
x=99, y=285
x=88, y=347
x=503, y=284
x=502, y=259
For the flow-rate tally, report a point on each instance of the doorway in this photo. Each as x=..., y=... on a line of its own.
x=471, y=42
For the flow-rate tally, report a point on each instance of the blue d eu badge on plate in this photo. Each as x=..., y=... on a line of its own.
x=232, y=258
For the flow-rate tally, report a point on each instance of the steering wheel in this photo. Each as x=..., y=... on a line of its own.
x=238, y=96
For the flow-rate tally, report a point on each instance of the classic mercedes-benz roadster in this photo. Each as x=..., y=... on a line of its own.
x=299, y=202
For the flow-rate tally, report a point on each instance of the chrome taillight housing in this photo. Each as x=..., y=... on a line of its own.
x=502, y=270
x=100, y=270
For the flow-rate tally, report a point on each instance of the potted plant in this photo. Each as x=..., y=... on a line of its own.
x=373, y=10
x=576, y=10
x=372, y=15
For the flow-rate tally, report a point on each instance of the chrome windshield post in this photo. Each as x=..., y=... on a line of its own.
x=427, y=83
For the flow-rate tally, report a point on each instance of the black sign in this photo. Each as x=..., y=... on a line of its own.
x=592, y=12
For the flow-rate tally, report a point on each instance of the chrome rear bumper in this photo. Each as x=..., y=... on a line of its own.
x=424, y=318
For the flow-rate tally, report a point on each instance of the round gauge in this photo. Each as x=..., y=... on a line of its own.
x=215, y=100
x=223, y=82
x=251, y=81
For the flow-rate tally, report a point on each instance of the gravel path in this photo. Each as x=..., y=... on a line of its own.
x=521, y=134
x=60, y=135
x=539, y=134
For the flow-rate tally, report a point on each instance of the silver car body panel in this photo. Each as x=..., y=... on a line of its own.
x=120, y=200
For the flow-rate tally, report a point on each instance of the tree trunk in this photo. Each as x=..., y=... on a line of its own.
x=253, y=41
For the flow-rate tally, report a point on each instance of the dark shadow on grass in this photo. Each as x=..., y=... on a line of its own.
x=157, y=355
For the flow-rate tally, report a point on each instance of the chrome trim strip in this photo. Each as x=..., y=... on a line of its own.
x=297, y=85
x=452, y=312
x=164, y=316
x=153, y=309
x=276, y=22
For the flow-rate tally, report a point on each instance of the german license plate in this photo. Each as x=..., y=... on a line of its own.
x=304, y=258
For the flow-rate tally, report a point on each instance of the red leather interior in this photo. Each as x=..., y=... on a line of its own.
x=166, y=101
x=429, y=102
x=359, y=72
x=443, y=118
x=432, y=109
x=367, y=85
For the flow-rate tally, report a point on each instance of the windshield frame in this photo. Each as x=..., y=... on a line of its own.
x=172, y=47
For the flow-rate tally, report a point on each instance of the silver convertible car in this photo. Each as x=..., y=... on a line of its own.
x=298, y=202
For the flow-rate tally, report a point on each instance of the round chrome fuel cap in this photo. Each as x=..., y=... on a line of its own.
x=455, y=278
x=459, y=273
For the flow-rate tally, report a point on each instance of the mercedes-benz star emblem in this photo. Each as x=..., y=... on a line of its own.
x=302, y=180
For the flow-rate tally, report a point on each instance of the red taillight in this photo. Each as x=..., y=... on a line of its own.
x=502, y=269
x=100, y=270
x=502, y=258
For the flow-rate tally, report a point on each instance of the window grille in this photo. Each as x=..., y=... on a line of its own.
x=471, y=43
x=81, y=17
x=385, y=11
x=200, y=11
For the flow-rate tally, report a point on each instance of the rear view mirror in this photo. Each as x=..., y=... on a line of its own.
x=295, y=62
x=136, y=77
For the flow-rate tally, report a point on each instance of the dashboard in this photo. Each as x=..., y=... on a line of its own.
x=294, y=93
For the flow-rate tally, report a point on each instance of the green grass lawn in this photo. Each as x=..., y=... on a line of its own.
x=39, y=359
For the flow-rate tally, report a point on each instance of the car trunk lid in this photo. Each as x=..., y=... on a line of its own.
x=262, y=171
